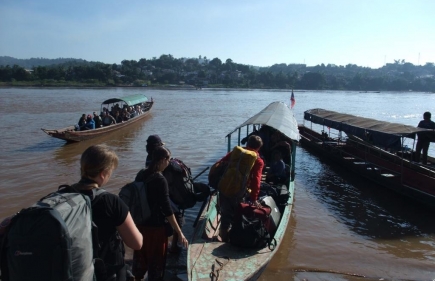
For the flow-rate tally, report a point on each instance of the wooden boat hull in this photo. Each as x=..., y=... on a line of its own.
x=69, y=134
x=382, y=167
x=209, y=259
x=205, y=254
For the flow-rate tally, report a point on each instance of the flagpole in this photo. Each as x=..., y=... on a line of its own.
x=292, y=100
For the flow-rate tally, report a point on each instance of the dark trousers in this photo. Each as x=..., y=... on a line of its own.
x=152, y=257
x=228, y=206
x=422, y=145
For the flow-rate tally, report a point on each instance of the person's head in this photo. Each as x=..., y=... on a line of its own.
x=255, y=142
x=89, y=117
x=104, y=113
x=161, y=156
x=427, y=115
x=153, y=142
x=97, y=163
x=277, y=155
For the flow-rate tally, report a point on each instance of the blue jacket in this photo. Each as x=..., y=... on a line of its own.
x=90, y=124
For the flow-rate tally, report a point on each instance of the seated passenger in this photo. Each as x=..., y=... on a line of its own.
x=90, y=124
x=97, y=120
x=277, y=173
x=139, y=109
x=132, y=111
x=108, y=119
x=279, y=142
x=82, y=122
x=125, y=116
x=118, y=117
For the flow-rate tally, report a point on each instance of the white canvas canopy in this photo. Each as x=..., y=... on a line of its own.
x=278, y=116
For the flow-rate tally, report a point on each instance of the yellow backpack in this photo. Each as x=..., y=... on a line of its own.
x=233, y=181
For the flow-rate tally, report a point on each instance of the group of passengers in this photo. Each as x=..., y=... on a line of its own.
x=150, y=240
x=109, y=117
x=111, y=214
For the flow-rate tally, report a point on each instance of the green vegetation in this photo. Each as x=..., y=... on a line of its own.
x=202, y=72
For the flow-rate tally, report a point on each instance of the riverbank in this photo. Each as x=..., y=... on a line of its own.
x=73, y=84
x=67, y=84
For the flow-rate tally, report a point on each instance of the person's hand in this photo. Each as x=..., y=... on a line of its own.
x=184, y=241
x=256, y=204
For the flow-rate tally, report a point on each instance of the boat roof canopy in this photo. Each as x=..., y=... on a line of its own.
x=278, y=116
x=129, y=100
x=381, y=132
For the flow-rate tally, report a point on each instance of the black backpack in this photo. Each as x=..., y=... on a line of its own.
x=134, y=194
x=51, y=240
x=249, y=233
x=181, y=186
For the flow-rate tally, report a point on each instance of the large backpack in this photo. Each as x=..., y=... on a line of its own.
x=249, y=233
x=51, y=240
x=251, y=227
x=135, y=195
x=233, y=181
x=181, y=186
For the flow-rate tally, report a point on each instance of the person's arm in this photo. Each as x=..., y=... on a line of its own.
x=130, y=234
x=255, y=179
x=226, y=158
x=176, y=227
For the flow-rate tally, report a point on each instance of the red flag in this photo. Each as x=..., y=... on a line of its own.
x=292, y=100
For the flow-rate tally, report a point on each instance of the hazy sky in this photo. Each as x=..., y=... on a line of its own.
x=255, y=32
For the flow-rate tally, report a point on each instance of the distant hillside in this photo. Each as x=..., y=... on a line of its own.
x=33, y=62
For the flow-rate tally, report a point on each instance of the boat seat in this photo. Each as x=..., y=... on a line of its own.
x=388, y=175
x=376, y=169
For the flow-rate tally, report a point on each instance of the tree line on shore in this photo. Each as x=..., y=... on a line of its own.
x=202, y=72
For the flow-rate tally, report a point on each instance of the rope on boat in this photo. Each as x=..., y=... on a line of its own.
x=214, y=274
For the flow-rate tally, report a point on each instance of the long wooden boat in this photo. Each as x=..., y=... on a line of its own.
x=374, y=149
x=70, y=134
x=209, y=259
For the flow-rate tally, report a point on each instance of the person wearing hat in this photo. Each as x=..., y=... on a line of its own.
x=153, y=141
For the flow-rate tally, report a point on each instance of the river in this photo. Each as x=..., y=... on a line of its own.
x=342, y=227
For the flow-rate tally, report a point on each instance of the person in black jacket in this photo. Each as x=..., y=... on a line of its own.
x=152, y=257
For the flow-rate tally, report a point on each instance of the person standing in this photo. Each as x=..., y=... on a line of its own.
x=228, y=205
x=423, y=140
x=109, y=212
x=152, y=257
x=153, y=142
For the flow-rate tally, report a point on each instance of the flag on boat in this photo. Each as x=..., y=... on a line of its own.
x=292, y=100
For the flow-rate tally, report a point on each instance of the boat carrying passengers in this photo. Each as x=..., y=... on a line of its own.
x=107, y=118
